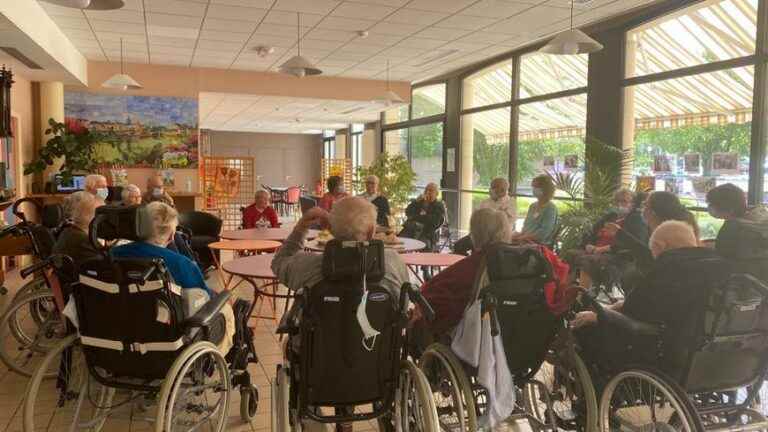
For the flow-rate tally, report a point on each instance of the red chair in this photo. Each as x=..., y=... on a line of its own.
x=291, y=199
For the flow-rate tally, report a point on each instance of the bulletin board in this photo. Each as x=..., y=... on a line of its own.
x=227, y=184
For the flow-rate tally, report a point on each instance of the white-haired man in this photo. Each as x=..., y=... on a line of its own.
x=352, y=219
x=381, y=202
x=131, y=195
x=498, y=199
x=96, y=184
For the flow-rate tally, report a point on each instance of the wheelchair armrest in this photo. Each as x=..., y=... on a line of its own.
x=204, y=316
x=288, y=321
x=626, y=323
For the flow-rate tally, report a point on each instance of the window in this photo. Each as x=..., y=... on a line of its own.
x=396, y=142
x=489, y=86
x=484, y=147
x=544, y=73
x=396, y=115
x=428, y=101
x=426, y=148
x=329, y=144
x=551, y=139
x=357, y=144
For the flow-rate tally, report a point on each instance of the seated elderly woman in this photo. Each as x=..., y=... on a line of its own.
x=668, y=293
x=260, y=213
x=183, y=270
x=541, y=221
x=451, y=290
x=335, y=192
x=73, y=241
x=352, y=219
x=425, y=215
x=131, y=195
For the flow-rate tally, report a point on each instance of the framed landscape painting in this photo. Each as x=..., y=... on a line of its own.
x=137, y=131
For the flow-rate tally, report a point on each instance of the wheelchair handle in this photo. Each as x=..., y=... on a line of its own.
x=417, y=297
x=20, y=214
x=56, y=261
x=489, y=304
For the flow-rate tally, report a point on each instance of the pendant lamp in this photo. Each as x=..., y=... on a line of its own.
x=122, y=80
x=571, y=42
x=389, y=98
x=297, y=65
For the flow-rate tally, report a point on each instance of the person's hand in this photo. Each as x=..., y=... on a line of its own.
x=611, y=228
x=590, y=249
x=313, y=217
x=602, y=249
x=583, y=319
x=414, y=315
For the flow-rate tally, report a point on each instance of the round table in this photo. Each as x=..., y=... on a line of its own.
x=408, y=245
x=239, y=246
x=429, y=259
x=276, y=234
x=258, y=267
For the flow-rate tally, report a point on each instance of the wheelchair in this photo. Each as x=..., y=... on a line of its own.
x=553, y=387
x=705, y=375
x=31, y=324
x=330, y=364
x=140, y=350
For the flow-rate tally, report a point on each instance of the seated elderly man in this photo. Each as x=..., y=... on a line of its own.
x=156, y=191
x=352, y=219
x=424, y=216
x=260, y=213
x=380, y=201
x=80, y=208
x=96, y=184
x=498, y=199
x=131, y=195
x=674, y=288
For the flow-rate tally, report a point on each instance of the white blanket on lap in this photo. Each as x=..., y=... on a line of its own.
x=472, y=343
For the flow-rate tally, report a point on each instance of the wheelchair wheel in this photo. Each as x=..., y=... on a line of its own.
x=73, y=401
x=281, y=413
x=249, y=402
x=451, y=389
x=561, y=395
x=195, y=393
x=415, y=408
x=29, y=328
x=639, y=399
x=35, y=284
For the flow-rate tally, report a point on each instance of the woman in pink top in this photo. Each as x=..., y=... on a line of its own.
x=335, y=193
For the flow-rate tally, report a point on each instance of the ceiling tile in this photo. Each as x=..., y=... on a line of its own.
x=331, y=35
x=413, y=16
x=345, y=57
x=345, y=24
x=483, y=37
x=362, y=10
x=289, y=18
x=315, y=6
x=356, y=48
x=238, y=13
x=378, y=39
x=115, y=27
x=86, y=43
x=218, y=45
x=67, y=22
x=496, y=8
x=320, y=44
x=396, y=29
x=228, y=25
x=120, y=15
x=420, y=43
x=128, y=38
x=446, y=6
x=215, y=55
x=176, y=7
x=165, y=20
x=530, y=21
x=171, y=41
x=224, y=36
x=190, y=33
x=53, y=10
x=465, y=46
x=467, y=22
x=170, y=51
x=442, y=33
x=78, y=33
x=392, y=3
x=272, y=41
x=280, y=30
x=262, y=4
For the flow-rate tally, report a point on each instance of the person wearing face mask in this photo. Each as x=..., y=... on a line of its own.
x=499, y=200
x=601, y=256
x=541, y=220
x=156, y=191
x=335, y=193
x=96, y=184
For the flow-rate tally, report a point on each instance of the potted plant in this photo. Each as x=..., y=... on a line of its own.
x=72, y=141
x=602, y=179
x=396, y=179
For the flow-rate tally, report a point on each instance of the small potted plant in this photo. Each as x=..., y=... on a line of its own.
x=71, y=141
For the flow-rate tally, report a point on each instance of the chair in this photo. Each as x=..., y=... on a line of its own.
x=306, y=203
x=206, y=229
x=291, y=199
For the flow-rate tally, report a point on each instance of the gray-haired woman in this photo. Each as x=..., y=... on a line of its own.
x=80, y=207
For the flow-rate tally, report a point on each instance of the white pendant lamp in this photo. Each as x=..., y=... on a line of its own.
x=297, y=65
x=88, y=4
x=390, y=98
x=571, y=42
x=122, y=80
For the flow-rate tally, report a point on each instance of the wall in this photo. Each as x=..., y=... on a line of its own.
x=370, y=146
x=22, y=109
x=277, y=156
x=341, y=144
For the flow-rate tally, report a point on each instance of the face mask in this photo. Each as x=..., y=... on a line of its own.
x=102, y=193
x=623, y=210
x=157, y=191
x=362, y=319
x=538, y=192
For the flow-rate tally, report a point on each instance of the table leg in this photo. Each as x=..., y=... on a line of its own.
x=219, y=270
x=415, y=271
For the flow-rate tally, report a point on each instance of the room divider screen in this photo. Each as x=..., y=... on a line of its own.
x=228, y=185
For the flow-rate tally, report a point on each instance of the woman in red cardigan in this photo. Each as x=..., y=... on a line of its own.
x=260, y=213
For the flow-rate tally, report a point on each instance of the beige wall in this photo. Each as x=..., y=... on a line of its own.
x=370, y=147
x=280, y=159
x=21, y=101
x=341, y=144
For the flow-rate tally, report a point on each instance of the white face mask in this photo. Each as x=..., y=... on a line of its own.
x=538, y=192
x=157, y=191
x=362, y=319
x=102, y=193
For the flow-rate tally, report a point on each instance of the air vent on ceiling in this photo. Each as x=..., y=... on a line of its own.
x=438, y=55
x=26, y=61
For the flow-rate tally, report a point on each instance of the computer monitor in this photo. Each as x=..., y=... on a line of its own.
x=76, y=183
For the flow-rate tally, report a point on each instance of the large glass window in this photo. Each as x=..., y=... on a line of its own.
x=551, y=139
x=704, y=33
x=426, y=146
x=542, y=74
x=484, y=147
x=428, y=101
x=396, y=115
x=396, y=142
x=329, y=144
x=489, y=86
x=356, y=135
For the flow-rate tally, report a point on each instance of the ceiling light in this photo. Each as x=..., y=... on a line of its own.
x=362, y=34
x=263, y=51
x=88, y=4
x=121, y=81
x=297, y=65
x=389, y=98
x=572, y=41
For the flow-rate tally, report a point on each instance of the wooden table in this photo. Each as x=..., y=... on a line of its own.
x=275, y=234
x=258, y=267
x=429, y=259
x=239, y=246
x=408, y=245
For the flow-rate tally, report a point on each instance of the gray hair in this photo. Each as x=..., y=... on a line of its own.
x=164, y=221
x=261, y=192
x=372, y=178
x=352, y=218
x=92, y=179
x=500, y=182
x=488, y=226
x=80, y=208
x=126, y=194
